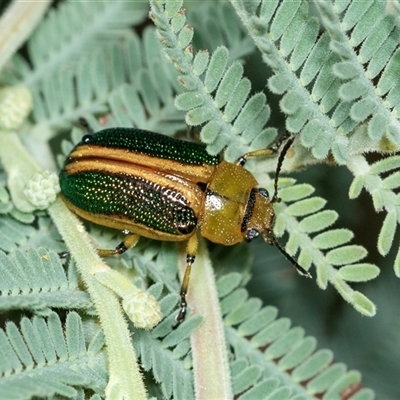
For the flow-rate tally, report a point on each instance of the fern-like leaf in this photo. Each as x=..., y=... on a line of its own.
x=101, y=84
x=366, y=39
x=169, y=365
x=216, y=94
x=272, y=360
x=13, y=233
x=339, y=254
x=72, y=32
x=40, y=359
x=327, y=95
x=302, y=65
x=381, y=180
x=219, y=25
x=35, y=280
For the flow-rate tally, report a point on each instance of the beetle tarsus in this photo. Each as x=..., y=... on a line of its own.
x=121, y=248
x=241, y=161
x=182, y=312
x=190, y=259
x=85, y=124
x=184, y=288
x=63, y=254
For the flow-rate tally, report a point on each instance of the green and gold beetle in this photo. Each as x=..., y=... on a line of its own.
x=167, y=189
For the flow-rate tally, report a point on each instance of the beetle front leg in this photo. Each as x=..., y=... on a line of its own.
x=190, y=257
x=273, y=149
x=85, y=124
x=126, y=244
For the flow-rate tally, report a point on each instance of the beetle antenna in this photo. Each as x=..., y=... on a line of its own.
x=85, y=124
x=270, y=238
x=275, y=198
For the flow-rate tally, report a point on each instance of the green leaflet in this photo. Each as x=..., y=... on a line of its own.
x=358, y=272
x=228, y=84
x=386, y=235
x=216, y=69
x=332, y=238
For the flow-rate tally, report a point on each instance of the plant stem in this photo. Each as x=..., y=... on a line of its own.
x=210, y=360
x=17, y=23
x=125, y=379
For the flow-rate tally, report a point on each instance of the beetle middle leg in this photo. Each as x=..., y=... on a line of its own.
x=191, y=251
x=85, y=124
x=126, y=244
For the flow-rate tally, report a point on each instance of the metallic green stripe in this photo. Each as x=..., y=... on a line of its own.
x=152, y=144
x=129, y=197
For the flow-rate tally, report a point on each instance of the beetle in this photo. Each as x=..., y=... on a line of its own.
x=167, y=189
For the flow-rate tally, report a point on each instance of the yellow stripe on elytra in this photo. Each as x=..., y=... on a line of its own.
x=195, y=173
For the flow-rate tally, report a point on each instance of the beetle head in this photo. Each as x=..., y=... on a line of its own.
x=259, y=216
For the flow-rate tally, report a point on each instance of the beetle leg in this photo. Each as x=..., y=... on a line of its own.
x=278, y=143
x=83, y=122
x=63, y=254
x=256, y=153
x=190, y=257
x=264, y=152
x=126, y=244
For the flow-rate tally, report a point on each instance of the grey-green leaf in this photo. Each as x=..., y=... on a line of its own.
x=216, y=68
x=358, y=272
x=307, y=206
x=386, y=235
x=332, y=238
x=318, y=222
x=346, y=255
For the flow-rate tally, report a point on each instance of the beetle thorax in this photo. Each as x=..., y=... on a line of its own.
x=233, y=205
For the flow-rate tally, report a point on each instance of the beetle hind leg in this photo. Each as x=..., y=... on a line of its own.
x=85, y=124
x=126, y=244
x=190, y=257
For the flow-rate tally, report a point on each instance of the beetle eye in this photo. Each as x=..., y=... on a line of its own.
x=251, y=234
x=187, y=228
x=86, y=138
x=264, y=192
